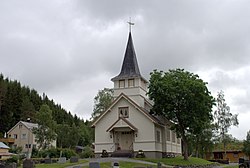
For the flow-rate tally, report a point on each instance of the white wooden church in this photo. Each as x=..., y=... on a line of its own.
x=127, y=125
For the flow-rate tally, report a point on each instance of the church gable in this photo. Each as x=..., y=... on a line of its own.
x=120, y=105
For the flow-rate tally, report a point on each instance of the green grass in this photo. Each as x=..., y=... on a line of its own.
x=235, y=166
x=59, y=165
x=121, y=165
x=179, y=161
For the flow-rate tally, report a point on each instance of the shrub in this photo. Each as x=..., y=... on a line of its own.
x=87, y=153
x=68, y=153
x=55, y=153
x=52, y=153
x=13, y=159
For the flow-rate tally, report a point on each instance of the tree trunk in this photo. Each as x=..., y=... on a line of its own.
x=225, y=152
x=185, y=148
x=197, y=149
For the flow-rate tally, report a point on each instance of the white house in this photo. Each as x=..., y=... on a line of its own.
x=24, y=137
x=127, y=124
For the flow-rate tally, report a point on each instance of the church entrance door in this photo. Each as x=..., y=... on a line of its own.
x=126, y=140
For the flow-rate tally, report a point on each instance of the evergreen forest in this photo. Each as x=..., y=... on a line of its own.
x=19, y=102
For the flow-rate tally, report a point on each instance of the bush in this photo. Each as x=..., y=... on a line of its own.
x=13, y=159
x=68, y=153
x=55, y=153
x=35, y=153
x=16, y=150
x=87, y=153
x=52, y=153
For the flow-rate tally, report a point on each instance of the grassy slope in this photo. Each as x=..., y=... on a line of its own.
x=167, y=161
x=122, y=165
x=180, y=161
x=59, y=165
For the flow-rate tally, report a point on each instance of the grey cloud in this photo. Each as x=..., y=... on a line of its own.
x=54, y=46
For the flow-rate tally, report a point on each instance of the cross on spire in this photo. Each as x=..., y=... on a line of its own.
x=130, y=24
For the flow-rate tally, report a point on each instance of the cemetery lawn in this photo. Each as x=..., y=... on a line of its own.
x=122, y=165
x=179, y=161
x=59, y=165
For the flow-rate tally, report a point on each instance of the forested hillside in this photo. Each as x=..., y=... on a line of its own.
x=18, y=102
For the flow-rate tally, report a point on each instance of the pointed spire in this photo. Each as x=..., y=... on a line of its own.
x=130, y=68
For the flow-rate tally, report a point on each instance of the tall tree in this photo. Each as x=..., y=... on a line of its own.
x=223, y=118
x=63, y=135
x=27, y=109
x=204, y=142
x=102, y=101
x=182, y=98
x=246, y=144
x=45, y=133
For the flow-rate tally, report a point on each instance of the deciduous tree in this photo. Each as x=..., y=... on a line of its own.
x=182, y=98
x=223, y=118
x=102, y=101
x=246, y=144
x=45, y=133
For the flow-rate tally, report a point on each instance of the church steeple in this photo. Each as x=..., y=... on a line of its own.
x=129, y=81
x=130, y=68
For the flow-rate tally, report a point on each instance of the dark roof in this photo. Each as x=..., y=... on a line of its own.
x=130, y=66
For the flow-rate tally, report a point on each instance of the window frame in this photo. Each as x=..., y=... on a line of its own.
x=168, y=134
x=158, y=136
x=122, y=82
x=123, y=112
x=173, y=137
x=24, y=136
x=133, y=83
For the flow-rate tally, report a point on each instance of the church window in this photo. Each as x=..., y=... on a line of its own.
x=158, y=136
x=131, y=83
x=178, y=140
x=173, y=137
x=123, y=112
x=121, y=83
x=168, y=134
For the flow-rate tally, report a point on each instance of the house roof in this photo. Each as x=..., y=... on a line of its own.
x=142, y=110
x=28, y=125
x=130, y=68
x=3, y=146
x=119, y=125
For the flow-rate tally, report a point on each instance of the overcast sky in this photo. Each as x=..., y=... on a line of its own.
x=70, y=49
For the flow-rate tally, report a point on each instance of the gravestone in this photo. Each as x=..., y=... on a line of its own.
x=73, y=159
x=159, y=165
x=62, y=160
x=11, y=165
x=94, y=165
x=28, y=163
x=47, y=160
x=115, y=164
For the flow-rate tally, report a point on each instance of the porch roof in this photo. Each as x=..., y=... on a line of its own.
x=122, y=123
